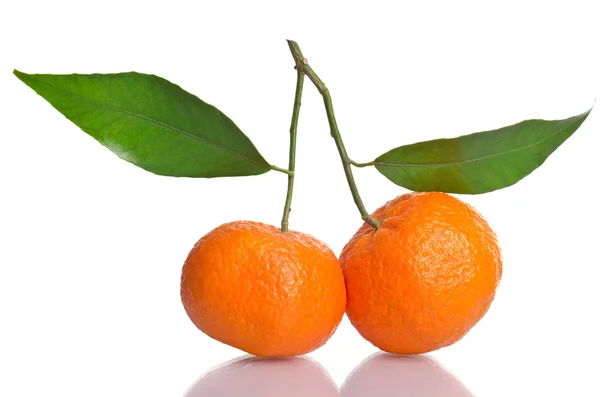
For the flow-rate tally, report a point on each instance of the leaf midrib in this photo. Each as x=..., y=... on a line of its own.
x=401, y=165
x=149, y=119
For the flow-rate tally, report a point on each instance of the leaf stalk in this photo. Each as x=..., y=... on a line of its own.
x=361, y=165
x=282, y=170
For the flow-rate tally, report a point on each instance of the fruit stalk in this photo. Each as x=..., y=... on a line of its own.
x=292, y=162
x=303, y=67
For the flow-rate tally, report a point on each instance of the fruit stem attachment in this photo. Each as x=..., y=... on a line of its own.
x=303, y=68
x=292, y=162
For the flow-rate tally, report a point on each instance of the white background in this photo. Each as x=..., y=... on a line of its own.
x=91, y=246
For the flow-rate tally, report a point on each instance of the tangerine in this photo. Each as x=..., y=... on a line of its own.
x=266, y=292
x=425, y=277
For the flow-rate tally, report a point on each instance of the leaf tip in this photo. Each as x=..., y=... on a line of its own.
x=585, y=114
x=24, y=77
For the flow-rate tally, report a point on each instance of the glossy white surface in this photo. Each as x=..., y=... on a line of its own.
x=91, y=247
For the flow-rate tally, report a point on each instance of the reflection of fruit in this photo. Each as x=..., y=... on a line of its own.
x=424, y=277
x=290, y=377
x=384, y=375
x=268, y=293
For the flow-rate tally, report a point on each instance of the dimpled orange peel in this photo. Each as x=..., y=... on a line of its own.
x=269, y=293
x=425, y=277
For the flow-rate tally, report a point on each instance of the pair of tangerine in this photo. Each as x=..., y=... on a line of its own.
x=417, y=283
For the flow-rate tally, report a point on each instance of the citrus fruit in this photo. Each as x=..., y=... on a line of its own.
x=385, y=375
x=254, y=376
x=269, y=293
x=425, y=277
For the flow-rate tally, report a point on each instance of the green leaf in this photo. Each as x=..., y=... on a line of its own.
x=479, y=162
x=151, y=123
